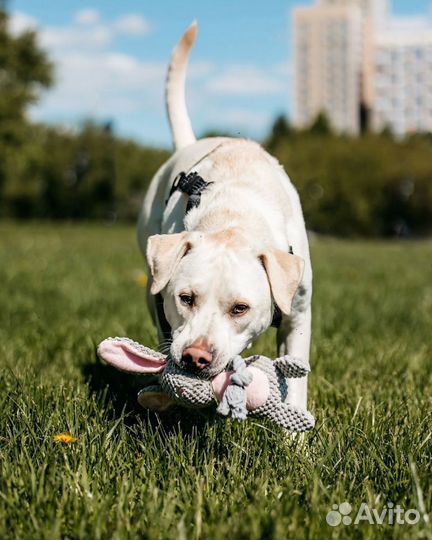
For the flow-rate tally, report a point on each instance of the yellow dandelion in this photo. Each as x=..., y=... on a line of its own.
x=141, y=280
x=65, y=438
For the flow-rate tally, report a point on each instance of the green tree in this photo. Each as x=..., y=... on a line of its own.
x=321, y=125
x=280, y=130
x=25, y=71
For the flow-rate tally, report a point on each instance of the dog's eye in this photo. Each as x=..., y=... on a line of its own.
x=239, y=309
x=187, y=299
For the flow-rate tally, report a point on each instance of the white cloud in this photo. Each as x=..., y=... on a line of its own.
x=247, y=119
x=87, y=32
x=20, y=22
x=246, y=80
x=95, y=79
x=242, y=121
x=200, y=69
x=92, y=78
x=103, y=84
x=284, y=69
x=87, y=16
x=58, y=39
x=132, y=24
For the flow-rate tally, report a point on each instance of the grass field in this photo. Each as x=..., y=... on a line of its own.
x=188, y=475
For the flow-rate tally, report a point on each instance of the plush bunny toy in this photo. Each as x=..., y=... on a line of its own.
x=255, y=386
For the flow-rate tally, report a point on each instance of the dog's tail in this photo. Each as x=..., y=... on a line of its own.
x=178, y=117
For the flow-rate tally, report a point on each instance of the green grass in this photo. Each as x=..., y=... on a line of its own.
x=132, y=475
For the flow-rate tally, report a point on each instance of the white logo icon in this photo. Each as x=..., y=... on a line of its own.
x=339, y=514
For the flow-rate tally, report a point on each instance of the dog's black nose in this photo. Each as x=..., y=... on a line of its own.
x=187, y=360
x=197, y=359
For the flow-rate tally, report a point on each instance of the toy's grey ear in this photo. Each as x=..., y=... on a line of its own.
x=154, y=398
x=127, y=355
x=292, y=367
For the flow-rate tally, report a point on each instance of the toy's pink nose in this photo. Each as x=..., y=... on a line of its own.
x=198, y=355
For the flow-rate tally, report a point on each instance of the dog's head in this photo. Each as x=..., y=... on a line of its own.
x=217, y=293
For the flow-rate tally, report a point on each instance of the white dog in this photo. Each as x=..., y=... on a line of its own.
x=230, y=254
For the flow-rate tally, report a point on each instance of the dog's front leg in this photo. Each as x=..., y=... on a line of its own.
x=293, y=338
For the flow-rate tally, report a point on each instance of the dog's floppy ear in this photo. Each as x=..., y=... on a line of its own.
x=164, y=252
x=284, y=272
x=126, y=355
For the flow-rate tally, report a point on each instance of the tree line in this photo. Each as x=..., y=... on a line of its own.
x=373, y=185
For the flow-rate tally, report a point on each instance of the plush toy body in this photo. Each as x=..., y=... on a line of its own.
x=255, y=386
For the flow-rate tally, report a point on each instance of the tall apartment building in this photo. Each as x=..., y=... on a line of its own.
x=354, y=62
x=402, y=78
x=327, y=64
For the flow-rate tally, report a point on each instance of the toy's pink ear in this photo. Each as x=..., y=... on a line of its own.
x=127, y=355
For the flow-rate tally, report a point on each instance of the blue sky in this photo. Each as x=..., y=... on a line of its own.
x=111, y=58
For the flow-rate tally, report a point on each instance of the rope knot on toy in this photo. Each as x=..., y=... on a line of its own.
x=233, y=401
